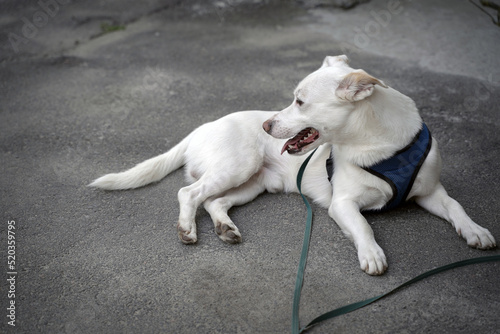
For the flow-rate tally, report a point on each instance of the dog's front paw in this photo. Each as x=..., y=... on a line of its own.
x=372, y=259
x=227, y=233
x=187, y=237
x=477, y=237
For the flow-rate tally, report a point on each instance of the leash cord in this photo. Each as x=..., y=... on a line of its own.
x=305, y=248
x=354, y=306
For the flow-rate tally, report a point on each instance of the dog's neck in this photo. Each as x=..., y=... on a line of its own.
x=378, y=126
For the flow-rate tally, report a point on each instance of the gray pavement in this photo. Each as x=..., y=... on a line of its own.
x=79, y=101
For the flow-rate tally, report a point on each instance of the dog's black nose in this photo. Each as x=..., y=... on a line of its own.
x=268, y=125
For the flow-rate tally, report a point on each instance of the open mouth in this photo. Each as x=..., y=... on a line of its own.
x=304, y=138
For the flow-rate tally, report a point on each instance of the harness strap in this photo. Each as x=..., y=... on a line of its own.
x=402, y=168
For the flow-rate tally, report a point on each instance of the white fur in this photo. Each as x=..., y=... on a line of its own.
x=362, y=121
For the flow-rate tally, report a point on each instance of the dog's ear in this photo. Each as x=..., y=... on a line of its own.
x=357, y=85
x=332, y=61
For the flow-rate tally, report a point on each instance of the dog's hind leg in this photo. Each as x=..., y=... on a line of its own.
x=192, y=196
x=217, y=207
x=442, y=205
x=213, y=183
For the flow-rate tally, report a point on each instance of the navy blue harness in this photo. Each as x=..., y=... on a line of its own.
x=401, y=169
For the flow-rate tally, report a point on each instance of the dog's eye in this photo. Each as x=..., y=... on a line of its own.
x=299, y=102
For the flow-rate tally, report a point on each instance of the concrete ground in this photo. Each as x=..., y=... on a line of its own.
x=79, y=100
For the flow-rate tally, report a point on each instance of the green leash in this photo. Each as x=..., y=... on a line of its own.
x=305, y=247
x=351, y=307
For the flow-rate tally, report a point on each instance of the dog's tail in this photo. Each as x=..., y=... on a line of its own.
x=146, y=172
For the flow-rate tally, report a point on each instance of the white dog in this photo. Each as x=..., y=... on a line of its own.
x=370, y=130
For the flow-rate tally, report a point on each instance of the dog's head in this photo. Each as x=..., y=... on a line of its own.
x=322, y=103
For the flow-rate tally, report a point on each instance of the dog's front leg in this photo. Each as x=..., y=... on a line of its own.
x=347, y=215
x=440, y=204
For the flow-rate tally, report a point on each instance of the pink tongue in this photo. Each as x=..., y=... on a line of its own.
x=285, y=147
x=294, y=142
